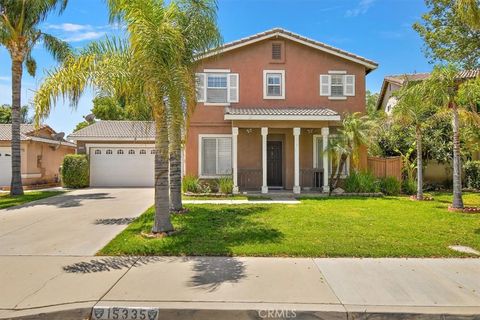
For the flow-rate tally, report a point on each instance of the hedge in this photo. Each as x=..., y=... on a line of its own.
x=76, y=171
x=472, y=174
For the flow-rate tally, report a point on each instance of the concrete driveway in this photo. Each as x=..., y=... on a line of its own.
x=76, y=223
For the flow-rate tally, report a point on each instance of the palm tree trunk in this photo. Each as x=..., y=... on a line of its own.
x=176, y=171
x=16, y=187
x=162, y=221
x=457, y=172
x=341, y=165
x=418, y=136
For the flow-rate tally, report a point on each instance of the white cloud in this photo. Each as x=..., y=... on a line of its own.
x=5, y=78
x=69, y=27
x=360, y=9
x=90, y=35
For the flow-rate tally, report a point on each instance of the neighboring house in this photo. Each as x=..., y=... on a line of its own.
x=121, y=152
x=42, y=154
x=434, y=172
x=267, y=105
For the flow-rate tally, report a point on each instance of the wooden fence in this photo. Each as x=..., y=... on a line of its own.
x=385, y=167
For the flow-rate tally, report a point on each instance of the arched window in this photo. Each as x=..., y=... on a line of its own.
x=152, y=151
x=131, y=151
x=109, y=151
x=120, y=151
x=98, y=151
x=143, y=151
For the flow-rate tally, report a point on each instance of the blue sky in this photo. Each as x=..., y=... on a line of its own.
x=376, y=29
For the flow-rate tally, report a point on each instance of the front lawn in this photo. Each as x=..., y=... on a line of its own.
x=323, y=227
x=7, y=201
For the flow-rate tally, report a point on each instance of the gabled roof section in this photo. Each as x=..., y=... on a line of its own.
x=116, y=130
x=400, y=79
x=279, y=32
x=29, y=132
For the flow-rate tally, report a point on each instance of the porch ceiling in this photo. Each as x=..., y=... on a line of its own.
x=273, y=114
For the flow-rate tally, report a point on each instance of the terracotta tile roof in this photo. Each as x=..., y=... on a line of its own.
x=134, y=130
x=400, y=79
x=25, y=131
x=275, y=111
x=296, y=37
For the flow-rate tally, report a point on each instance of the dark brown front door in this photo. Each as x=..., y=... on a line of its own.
x=274, y=164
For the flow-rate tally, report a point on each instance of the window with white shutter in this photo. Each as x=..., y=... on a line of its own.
x=336, y=85
x=217, y=88
x=233, y=87
x=216, y=156
x=324, y=85
x=350, y=85
x=200, y=79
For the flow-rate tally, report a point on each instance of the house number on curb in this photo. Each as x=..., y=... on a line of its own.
x=126, y=313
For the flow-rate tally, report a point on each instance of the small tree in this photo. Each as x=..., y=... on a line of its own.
x=412, y=110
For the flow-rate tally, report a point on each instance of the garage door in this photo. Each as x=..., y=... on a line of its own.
x=5, y=166
x=122, y=167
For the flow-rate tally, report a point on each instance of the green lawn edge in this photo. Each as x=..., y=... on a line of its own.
x=6, y=201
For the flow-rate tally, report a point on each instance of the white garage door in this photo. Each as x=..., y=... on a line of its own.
x=5, y=166
x=122, y=166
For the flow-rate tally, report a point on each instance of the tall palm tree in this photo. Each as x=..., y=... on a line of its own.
x=19, y=33
x=351, y=137
x=413, y=110
x=444, y=89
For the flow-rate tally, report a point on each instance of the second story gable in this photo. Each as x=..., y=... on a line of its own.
x=281, y=69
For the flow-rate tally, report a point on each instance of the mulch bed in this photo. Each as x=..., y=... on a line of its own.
x=465, y=210
x=425, y=198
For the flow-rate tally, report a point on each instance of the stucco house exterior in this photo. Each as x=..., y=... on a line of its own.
x=42, y=154
x=267, y=105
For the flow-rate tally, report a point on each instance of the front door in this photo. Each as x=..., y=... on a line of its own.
x=274, y=164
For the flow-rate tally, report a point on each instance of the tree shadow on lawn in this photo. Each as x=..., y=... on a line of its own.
x=343, y=198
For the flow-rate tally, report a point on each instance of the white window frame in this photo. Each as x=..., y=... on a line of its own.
x=344, y=81
x=200, y=154
x=217, y=72
x=315, y=156
x=265, y=84
x=227, y=73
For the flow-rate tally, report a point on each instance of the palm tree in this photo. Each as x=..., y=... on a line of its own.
x=155, y=68
x=19, y=33
x=443, y=91
x=413, y=110
x=351, y=137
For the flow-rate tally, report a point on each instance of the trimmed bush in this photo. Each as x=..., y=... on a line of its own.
x=390, y=186
x=409, y=186
x=76, y=171
x=225, y=185
x=472, y=174
x=361, y=182
x=191, y=184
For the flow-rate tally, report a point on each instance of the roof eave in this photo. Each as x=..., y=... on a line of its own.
x=281, y=117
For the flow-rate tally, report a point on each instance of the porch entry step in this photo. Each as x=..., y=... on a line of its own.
x=275, y=188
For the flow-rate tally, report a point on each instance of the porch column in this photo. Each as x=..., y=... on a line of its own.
x=296, y=157
x=234, y=159
x=325, y=132
x=264, y=160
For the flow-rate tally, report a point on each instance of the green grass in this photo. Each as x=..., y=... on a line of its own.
x=227, y=197
x=7, y=201
x=322, y=227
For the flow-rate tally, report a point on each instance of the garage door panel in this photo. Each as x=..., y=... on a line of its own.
x=121, y=167
x=5, y=166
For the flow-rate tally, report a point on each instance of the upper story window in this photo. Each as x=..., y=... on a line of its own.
x=274, y=84
x=337, y=85
x=217, y=87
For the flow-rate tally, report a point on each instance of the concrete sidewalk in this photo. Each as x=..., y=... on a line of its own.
x=55, y=287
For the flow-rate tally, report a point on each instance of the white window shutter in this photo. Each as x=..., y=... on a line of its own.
x=201, y=87
x=349, y=85
x=325, y=85
x=233, y=87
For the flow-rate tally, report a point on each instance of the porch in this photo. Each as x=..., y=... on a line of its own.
x=272, y=152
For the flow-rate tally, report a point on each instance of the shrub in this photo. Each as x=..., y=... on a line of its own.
x=191, y=184
x=409, y=186
x=472, y=174
x=76, y=171
x=361, y=182
x=390, y=186
x=225, y=185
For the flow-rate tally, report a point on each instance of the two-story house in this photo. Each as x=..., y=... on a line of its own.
x=267, y=105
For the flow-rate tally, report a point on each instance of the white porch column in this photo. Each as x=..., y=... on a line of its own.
x=234, y=159
x=296, y=157
x=264, y=160
x=326, y=174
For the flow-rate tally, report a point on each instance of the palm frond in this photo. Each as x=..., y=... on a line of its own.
x=59, y=49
